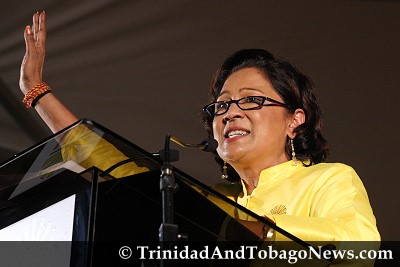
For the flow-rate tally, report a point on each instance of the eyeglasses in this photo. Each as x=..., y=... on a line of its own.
x=245, y=103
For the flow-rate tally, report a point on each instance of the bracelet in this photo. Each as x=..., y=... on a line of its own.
x=34, y=102
x=37, y=92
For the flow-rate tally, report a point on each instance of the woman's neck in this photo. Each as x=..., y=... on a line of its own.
x=251, y=173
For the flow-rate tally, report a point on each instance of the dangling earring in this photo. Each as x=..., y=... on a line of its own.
x=294, y=163
x=224, y=171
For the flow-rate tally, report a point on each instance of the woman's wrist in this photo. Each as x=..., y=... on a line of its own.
x=38, y=91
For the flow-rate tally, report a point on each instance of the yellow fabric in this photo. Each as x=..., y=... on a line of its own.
x=89, y=149
x=323, y=202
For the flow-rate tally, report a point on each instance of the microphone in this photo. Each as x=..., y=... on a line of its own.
x=207, y=145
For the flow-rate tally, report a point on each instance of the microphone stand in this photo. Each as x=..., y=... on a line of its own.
x=168, y=231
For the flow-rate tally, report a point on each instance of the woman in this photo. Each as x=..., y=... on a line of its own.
x=266, y=119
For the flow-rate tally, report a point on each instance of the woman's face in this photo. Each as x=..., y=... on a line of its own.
x=260, y=135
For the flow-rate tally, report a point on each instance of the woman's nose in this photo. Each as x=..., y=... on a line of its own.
x=234, y=112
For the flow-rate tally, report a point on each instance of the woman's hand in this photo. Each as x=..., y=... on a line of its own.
x=50, y=109
x=32, y=64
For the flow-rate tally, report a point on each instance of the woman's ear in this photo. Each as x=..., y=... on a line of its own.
x=296, y=119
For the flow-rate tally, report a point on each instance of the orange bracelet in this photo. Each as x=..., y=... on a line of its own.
x=35, y=94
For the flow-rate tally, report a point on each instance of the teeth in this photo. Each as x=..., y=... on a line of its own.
x=236, y=133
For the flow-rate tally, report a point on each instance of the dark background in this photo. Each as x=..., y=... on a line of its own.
x=143, y=68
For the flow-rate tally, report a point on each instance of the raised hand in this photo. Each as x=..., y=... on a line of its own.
x=32, y=64
x=50, y=109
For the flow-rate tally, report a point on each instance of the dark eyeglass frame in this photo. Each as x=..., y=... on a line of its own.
x=262, y=99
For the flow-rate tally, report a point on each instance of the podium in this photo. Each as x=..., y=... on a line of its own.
x=92, y=192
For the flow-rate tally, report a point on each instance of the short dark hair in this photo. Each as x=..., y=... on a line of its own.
x=296, y=90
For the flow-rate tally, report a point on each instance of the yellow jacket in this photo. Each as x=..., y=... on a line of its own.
x=323, y=202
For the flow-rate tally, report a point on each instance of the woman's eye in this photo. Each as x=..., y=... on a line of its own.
x=253, y=99
x=220, y=105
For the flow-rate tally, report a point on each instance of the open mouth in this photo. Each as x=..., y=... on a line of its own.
x=236, y=133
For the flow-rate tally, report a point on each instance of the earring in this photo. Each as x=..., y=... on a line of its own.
x=294, y=163
x=224, y=171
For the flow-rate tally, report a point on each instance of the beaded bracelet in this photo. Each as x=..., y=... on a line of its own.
x=37, y=92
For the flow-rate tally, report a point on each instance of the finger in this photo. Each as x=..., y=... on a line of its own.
x=41, y=40
x=35, y=24
x=41, y=35
x=29, y=40
x=31, y=54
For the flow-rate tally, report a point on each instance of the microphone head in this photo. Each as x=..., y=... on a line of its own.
x=209, y=145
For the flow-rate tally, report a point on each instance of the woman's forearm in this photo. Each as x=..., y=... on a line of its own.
x=54, y=113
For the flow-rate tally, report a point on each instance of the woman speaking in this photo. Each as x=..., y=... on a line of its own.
x=266, y=118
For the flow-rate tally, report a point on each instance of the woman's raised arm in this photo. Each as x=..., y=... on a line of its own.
x=50, y=109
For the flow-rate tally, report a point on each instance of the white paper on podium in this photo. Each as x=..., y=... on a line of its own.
x=54, y=223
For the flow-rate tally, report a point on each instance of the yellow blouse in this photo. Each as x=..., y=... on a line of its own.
x=323, y=202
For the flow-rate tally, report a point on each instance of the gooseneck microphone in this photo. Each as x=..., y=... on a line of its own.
x=207, y=145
